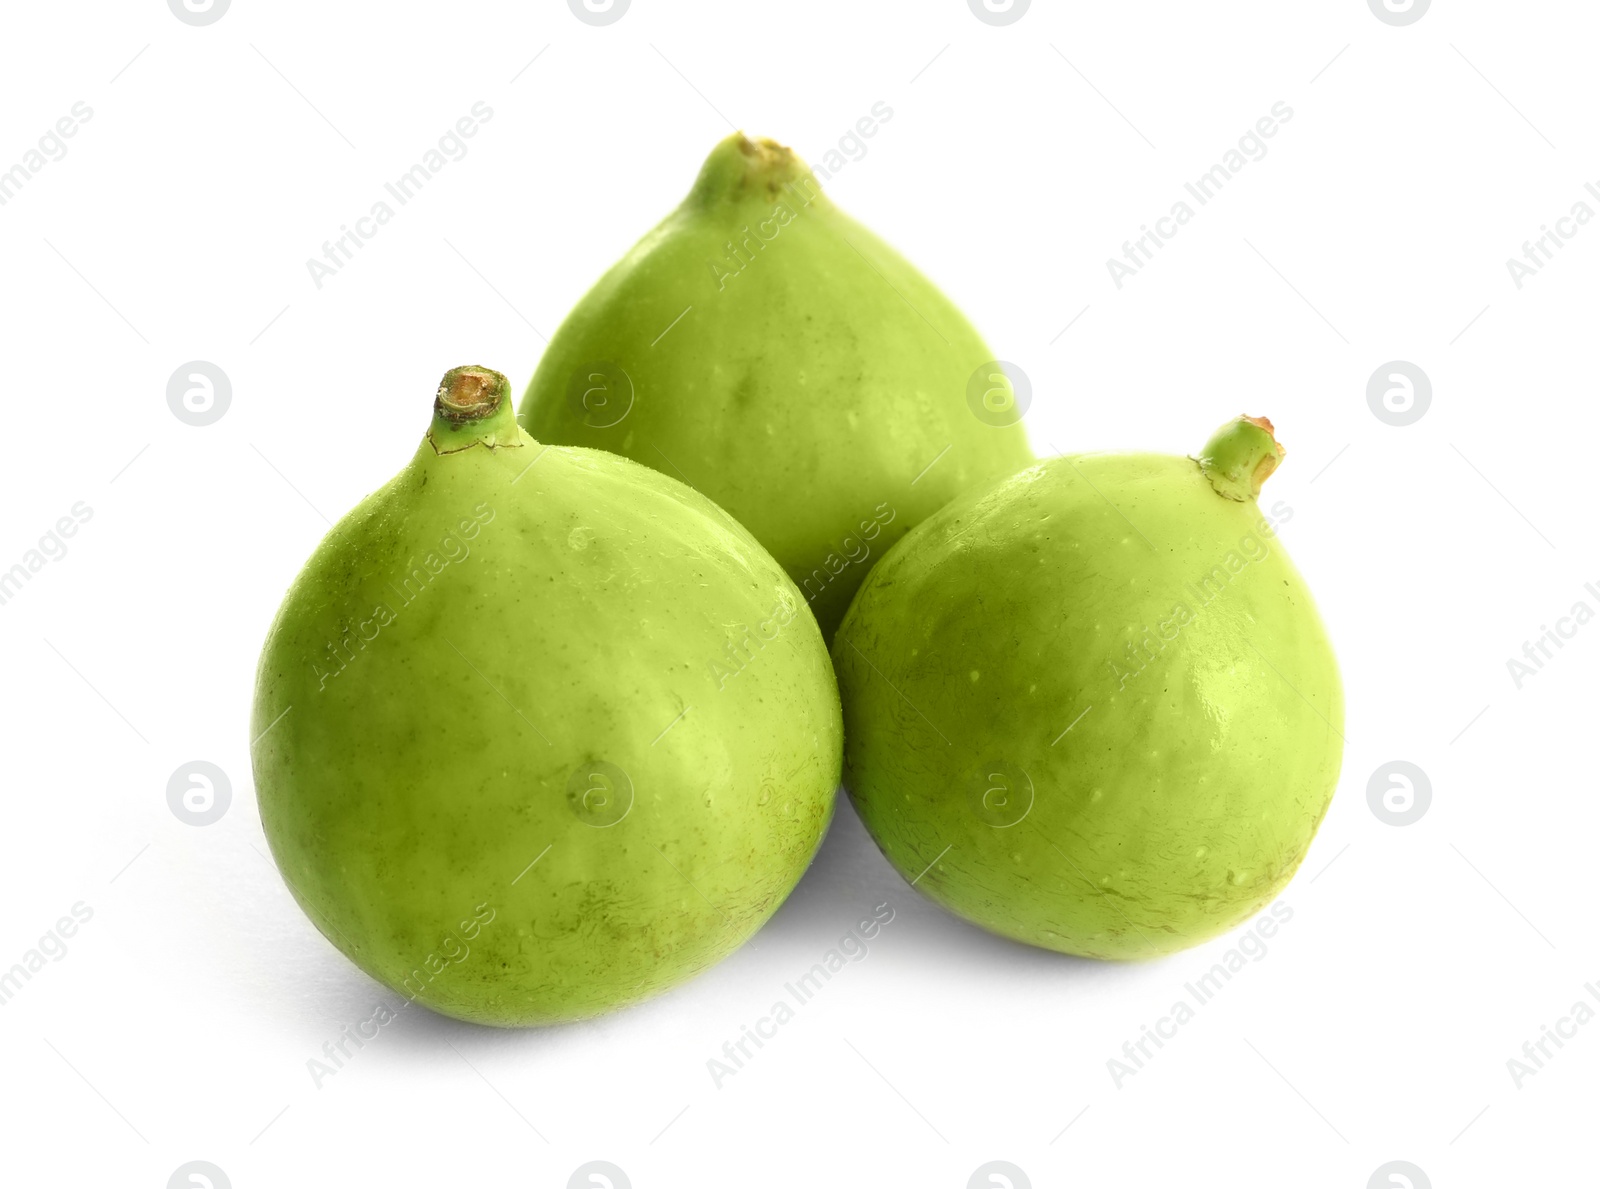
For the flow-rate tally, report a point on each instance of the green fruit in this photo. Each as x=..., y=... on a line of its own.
x=540, y=732
x=1092, y=707
x=766, y=348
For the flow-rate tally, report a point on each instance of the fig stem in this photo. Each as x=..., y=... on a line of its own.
x=741, y=168
x=473, y=407
x=1239, y=457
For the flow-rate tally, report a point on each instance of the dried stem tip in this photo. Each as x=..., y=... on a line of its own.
x=740, y=169
x=468, y=394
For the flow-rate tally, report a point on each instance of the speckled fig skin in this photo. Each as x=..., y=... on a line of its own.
x=781, y=358
x=1093, y=706
x=495, y=619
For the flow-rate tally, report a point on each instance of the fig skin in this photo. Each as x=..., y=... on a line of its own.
x=546, y=609
x=815, y=385
x=1093, y=706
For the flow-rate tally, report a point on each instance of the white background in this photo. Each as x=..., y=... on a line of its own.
x=1419, y=959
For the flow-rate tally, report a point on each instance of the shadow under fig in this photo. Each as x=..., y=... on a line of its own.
x=846, y=883
x=849, y=878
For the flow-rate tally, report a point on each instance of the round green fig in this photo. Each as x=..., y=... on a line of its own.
x=1092, y=707
x=766, y=348
x=540, y=732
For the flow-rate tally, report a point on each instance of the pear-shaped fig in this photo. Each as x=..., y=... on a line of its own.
x=766, y=348
x=539, y=731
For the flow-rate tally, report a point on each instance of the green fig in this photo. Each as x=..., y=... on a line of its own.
x=770, y=351
x=540, y=732
x=1092, y=707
